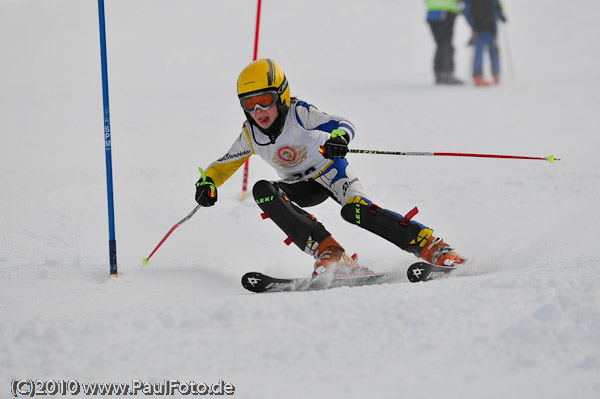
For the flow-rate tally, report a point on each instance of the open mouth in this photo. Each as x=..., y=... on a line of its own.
x=263, y=120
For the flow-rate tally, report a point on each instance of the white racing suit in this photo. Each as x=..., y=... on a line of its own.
x=307, y=179
x=295, y=154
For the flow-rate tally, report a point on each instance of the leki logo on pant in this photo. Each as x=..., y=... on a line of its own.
x=264, y=199
x=357, y=213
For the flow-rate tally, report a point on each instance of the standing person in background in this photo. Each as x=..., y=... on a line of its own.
x=483, y=15
x=440, y=17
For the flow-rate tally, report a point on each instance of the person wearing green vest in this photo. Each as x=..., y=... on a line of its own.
x=440, y=17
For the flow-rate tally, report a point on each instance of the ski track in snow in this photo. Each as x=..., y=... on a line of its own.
x=520, y=320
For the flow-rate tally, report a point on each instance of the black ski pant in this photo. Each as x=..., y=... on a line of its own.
x=443, y=31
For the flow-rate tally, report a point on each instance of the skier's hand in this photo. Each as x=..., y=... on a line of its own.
x=206, y=191
x=503, y=18
x=336, y=146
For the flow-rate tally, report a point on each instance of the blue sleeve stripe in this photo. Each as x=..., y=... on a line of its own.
x=301, y=104
x=348, y=128
x=329, y=126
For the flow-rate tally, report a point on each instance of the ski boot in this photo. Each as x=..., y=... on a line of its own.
x=447, y=78
x=437, y=252
x=480, y=81
x=330, y=255
x=496, y=79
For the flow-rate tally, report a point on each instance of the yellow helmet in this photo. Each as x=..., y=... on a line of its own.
x=263, y=75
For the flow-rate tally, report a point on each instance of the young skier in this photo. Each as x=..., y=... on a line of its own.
x=307, y=148
x=483, y=15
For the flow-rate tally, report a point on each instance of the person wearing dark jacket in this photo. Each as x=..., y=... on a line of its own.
x=440, y=17
x=483, y=15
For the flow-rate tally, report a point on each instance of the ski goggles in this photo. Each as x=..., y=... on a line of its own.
x=264, y=101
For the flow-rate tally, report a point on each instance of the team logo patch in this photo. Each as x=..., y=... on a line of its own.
x=289, y=156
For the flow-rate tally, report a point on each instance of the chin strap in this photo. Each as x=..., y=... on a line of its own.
x=271, y=138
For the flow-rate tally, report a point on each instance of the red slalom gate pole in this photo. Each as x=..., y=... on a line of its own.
x=256, y=32
x=550, y=158
x=255, y=55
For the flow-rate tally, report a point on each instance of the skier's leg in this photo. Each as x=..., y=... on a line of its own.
x=302, y=228
x=405, y=233
x=438, y=36
x=478, y=56
x=480, y=47
x=447, y=47
x=339, y=180
x=342, y=183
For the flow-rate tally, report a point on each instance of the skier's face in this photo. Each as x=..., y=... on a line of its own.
x=265, y=118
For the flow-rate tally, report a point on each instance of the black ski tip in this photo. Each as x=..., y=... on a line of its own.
x=423, y=271
x=252, y=281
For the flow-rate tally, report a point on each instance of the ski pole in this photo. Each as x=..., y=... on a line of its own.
x=550, y=158
x=146, y=261
x=509, y=60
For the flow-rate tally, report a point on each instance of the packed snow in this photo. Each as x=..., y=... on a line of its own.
x=520, y=320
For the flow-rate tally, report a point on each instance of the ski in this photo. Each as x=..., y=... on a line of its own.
x=422, y=271
x=259, y=282
x=417, y=272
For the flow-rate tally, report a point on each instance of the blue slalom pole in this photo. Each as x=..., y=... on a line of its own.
x=112, y=243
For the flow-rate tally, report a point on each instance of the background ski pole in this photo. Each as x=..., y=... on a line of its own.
x=550, y=158
x=508, y=57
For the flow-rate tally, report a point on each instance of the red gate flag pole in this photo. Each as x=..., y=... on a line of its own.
x=256, y=32
x=247, y=164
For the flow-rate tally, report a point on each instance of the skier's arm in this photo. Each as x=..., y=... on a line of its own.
x=341, y=130
x=311, y=118
x=223, y=168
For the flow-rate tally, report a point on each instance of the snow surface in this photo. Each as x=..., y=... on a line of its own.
x=521, y=321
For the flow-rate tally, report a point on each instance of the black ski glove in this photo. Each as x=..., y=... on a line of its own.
x=206, y=191
x=336, y=146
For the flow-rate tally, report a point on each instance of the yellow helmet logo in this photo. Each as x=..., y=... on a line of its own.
x=263, y=75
